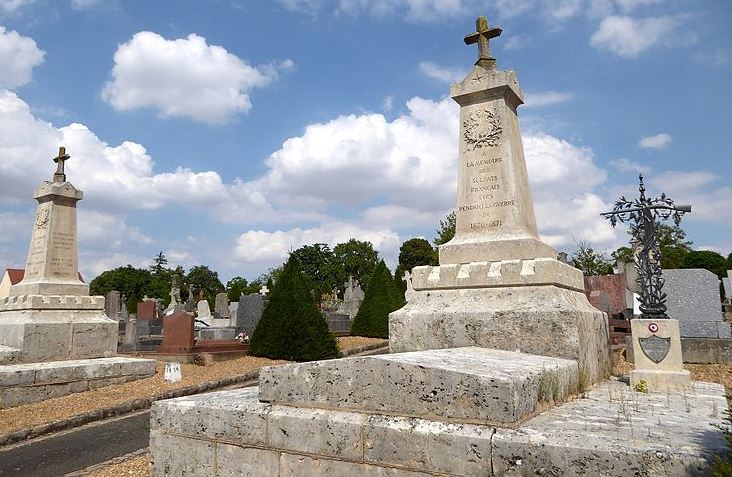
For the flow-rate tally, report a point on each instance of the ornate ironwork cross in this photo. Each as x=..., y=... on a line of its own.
x=62, y=157
x=640, y=215
x=481, y=36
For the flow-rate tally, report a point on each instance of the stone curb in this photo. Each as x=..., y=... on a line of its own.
x=141, y=404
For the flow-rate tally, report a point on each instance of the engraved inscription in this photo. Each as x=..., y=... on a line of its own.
x=482, y=128
x=42, y=219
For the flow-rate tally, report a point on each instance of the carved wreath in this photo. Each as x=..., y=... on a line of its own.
x=482, y=128
x=42, y=219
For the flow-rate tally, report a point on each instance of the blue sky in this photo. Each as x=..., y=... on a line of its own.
x=227, y=132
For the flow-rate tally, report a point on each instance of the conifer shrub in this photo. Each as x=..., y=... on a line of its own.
x=382, y=297
x=291, y=326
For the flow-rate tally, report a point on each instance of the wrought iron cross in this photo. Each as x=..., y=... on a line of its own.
x=60, y=176
x=641, y=215
x=481, y=36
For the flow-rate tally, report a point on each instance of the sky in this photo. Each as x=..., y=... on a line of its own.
x=226, y=133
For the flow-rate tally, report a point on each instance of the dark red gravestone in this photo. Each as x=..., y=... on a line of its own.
x=147, y=310
x=607, y=293
x=177, y=333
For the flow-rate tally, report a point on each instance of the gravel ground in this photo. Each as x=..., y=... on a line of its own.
x=138, y=466
x=52, y=410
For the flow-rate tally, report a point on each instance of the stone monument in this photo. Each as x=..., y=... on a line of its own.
x=352, y=298
x=49, y=316
x=221, y=306
x=475, y=406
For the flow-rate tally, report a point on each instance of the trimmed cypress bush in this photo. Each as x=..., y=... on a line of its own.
x=382, y=297
x=291, y=326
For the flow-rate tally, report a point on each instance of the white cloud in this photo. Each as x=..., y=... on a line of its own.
x=626, y=165
x=272, y=247
x=515, y=42
x=545, y=98
x=658, y=141
x=84, y=4
x=709, y=202
x=388, y=103
x=97, y=229
x=12, y=6
x=18, y=56
x=628, y=37
x=447, y=75
x=185, y=77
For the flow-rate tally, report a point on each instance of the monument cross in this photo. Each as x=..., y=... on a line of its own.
x=481, y=36
x=641, y=216
x=62, y=157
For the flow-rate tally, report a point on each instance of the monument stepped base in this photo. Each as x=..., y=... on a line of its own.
x=463, y=385
x=613, y=431
x=32, y=382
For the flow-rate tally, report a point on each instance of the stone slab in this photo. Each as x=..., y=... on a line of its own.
x=611, y=431
x=693, y=298
x=59, y=334
x=541, y=320
x=669, y=372
x=31, y=382
x=463, y=384
x=9, y=355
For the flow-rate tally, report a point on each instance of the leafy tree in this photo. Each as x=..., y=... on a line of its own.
x=729, y=261
x=623, y=255
x=236, y=287
x=447, y=229
x=706, y=259
x=416, y=251
x=204, y=280
x=673, y=245
x=291, y=326
x=131, y=281
x=354, y=258
x=159, y=263
x=316, y=262
x=591, y=261
x=382, y=297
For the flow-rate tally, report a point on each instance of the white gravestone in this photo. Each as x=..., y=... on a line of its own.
x=172, y=372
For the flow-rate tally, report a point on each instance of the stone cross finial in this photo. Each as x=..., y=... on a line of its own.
x=481, y=36
x=60, y=176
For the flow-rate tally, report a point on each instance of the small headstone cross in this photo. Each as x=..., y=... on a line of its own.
x=264, y=290
x=60, y=175
x=481, y=36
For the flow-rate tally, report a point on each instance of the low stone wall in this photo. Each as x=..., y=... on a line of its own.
x=28, y=383
x=696, y=350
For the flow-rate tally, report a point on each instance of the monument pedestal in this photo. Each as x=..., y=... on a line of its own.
x=657, y=355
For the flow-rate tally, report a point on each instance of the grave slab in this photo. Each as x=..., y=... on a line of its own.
x=462, y=384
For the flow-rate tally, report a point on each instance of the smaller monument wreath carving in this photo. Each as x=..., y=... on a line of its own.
x=482, y=128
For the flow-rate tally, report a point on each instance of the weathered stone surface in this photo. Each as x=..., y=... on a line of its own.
x=463, y=384
x=617, y=432
x=48, y=335
x=325, y=433
x=453, y=449
x=706, y=350
x=249, y=312
x=181, y=456
x=31, y=382
x=9, y=355
x=612, y=431
x=694, y=300
x=668, y=374
x=541, y=320
x=235, y=461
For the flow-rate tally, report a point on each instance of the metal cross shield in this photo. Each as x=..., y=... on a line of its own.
x=655, y=347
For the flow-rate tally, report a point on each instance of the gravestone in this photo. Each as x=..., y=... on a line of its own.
x=727, y=282
x=693, y=299
x=249, y=312
x=233, y=310
x=147, y=310
x=113, y=305
x=177, y=333
x=338, y=322
x=221, y=306
x=613, y=291
x=352, y=298
x=203, y=311
x=129, y=340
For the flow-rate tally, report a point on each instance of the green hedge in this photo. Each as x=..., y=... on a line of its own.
x=291, y=326
x=382, y=297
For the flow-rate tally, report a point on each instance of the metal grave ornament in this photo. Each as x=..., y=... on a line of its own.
x=655, y=347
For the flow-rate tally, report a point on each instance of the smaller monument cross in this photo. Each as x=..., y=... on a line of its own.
x=481, y=36
x=60, y=176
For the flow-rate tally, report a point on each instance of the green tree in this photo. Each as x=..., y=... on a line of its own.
x=382, y=297
x=623, y=255
x=236, y=287
x=447, y=229
x=204, y=280
x=729, y=261
x=415, y=252
x=673, y=245
x=133, y=282
x=706, y=259
x=591, y=261
x=354, y=258
x=159, y=263
x=291, y=326
x=316, y=261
